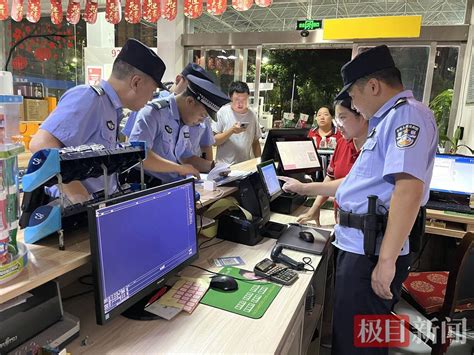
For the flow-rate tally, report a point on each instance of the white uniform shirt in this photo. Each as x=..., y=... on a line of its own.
x=238, y=147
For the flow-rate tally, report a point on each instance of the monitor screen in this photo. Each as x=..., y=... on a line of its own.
x=298, y=155
x=281, y=134
x=269, y=178
x=453, y=174
x=138, y=241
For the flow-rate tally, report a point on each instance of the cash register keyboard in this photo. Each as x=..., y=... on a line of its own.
x=446, y=206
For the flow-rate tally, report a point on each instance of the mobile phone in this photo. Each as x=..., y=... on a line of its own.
x=277, y=273
x=244, y=124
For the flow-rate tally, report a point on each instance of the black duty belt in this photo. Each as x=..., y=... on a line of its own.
x=359, y=221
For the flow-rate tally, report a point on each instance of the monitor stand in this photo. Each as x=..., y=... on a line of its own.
x=138, y=312
x=286, y=203
x=273, y=230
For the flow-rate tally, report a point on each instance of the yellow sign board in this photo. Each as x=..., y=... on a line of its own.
x=372, y=27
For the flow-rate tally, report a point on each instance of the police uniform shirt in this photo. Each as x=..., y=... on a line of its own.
x=164, y=135
x=400, y=140
x=84, y=117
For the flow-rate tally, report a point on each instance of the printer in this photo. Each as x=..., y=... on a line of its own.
x=234, y=225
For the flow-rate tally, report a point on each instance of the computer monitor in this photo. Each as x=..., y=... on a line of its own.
x=452, y=174
x=281, y=134
x=138, y=241
x=269, y=178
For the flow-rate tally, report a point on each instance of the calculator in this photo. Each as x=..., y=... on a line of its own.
x=277, y=273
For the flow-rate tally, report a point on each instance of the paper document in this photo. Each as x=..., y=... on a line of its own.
x=220, y=170
x=222, y=180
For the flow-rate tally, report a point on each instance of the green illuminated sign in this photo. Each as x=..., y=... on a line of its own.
x=309, y=25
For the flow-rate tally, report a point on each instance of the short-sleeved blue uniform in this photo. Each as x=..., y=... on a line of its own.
x=400, y=140
x=164, y=134
x=85, y=117
x=200, y=135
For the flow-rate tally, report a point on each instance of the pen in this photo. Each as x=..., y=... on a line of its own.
x=157, y=295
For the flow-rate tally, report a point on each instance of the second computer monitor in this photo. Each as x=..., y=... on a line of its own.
x=269, y=178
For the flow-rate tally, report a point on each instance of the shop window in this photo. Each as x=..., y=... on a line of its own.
x=144, y=33
x=43, y=57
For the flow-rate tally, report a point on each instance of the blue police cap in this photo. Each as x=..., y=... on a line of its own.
x=196, y=70
x=366, y=63
x=143, y=58
x=207, y=93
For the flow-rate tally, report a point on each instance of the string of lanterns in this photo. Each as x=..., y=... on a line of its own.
x=134, y=10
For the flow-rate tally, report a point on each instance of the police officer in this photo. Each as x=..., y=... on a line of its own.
x=395, y=164
x=201, y=137
x=164, y=125
x=91, y=115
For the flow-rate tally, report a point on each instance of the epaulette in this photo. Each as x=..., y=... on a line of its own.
x=159, y=104
x=98, y=90
x=400, y=102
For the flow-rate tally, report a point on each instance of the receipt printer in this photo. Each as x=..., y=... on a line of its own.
x=235, y=225
x=29, y=314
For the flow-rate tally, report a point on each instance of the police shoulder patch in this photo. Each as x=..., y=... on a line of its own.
x=110, y=125
x=406, y=135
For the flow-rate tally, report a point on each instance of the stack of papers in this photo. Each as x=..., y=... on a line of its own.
x=222, y=174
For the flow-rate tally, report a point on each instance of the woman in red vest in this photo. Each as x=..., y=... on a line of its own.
x=325, y=131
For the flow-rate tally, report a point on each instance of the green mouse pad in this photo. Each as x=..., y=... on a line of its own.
x=251, y=299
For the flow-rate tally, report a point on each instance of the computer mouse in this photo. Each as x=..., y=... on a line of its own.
x=224, y=283
x=307, y=236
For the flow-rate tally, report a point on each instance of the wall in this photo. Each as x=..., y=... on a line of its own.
x=465, y=115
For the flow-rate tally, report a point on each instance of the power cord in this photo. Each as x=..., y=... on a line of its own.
x=308, y=261
x=77, y=295
x=237, y=278
x=208, y=246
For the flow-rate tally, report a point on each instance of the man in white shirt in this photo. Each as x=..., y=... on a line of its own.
x=237, y=130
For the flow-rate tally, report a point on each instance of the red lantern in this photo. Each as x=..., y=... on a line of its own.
x=133, y=11
x=151, y=10
x=263, y=3
x=33, y=13
x=113, y=13
x=90, y=13
x=43, y=53
x=17, y=10
x=73, y=14
x=192, y=8
x=242, y=5
x=56, y=12
x=216, y=7
x=19, y=62
x=170, y=9
x=3, y=9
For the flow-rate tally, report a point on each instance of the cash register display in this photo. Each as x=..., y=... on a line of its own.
x=269, y=178
x=138, y=241
x=298, y=155
x=453, y=174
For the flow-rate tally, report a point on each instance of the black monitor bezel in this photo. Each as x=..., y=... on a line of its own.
x=262, y=179
x=303, y=170
x=98, y=294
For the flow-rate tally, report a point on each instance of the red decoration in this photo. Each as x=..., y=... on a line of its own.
x=3, y=9
x=90, y=13
x=43, y=53
x=192, y=8
x=242, y=5
x=73, y=14
x=263, y=3
x=132, y=11
x=113, y=13
x=33, y=13
x=170, y=9
x=151, y=10
x=56, y=12
x=17, y=10
x=19, y=62
x=216, y=7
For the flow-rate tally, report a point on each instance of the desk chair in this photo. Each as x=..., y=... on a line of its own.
x=445, y=294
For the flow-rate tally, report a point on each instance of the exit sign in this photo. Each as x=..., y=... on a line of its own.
x=309, y=25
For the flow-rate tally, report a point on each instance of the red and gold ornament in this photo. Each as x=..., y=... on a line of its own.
x=90, y=13
x=216, y=7
x=43, y=53
x=56, y=12
x=73, y=14
x=132, y=11
x=19, y=62
x=151, y=10
x=242, y=5
x=170, y=9
x=33, y=12
x=3, y=9
x=113, y=11
x=263, y=3
x=192, y=8
x=17, y=10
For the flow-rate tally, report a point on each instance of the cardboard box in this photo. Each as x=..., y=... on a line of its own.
x=35, y=109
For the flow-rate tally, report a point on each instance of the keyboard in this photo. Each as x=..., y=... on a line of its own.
x=449, y=206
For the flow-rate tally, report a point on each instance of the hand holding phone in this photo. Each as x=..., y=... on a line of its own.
x=244, y=124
